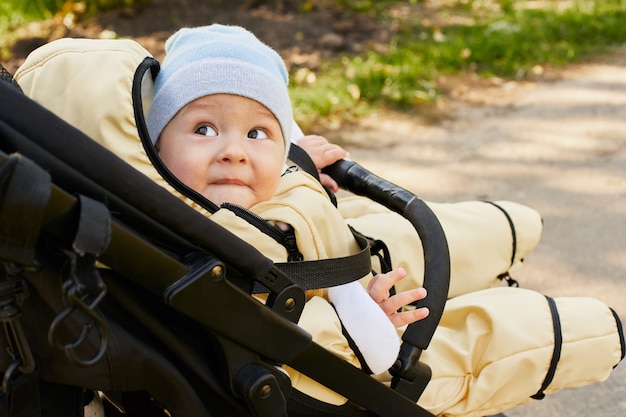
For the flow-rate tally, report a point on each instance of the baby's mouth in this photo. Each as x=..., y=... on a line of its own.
x=229, y=181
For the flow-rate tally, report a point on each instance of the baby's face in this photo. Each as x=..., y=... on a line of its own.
x=226, y=147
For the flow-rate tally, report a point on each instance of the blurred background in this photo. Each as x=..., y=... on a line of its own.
x=350, y=58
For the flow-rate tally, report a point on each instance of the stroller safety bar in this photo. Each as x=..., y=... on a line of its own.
x=410, y=377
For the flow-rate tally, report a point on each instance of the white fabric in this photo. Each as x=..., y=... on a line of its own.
x=296, y=132
x=367, y=325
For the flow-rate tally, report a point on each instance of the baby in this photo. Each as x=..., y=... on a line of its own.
x=221, y=123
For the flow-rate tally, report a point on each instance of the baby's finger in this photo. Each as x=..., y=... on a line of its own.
x=408, y=317
x=379, y=287
x=403, y=299
x=329, y=182
x=333, y=153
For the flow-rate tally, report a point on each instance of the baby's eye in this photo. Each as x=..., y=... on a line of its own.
x=257, y=134
x=206, y=131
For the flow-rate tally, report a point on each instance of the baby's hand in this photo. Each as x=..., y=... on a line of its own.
x=379, y=289
x=323, y=153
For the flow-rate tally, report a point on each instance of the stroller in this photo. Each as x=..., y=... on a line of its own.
x=111, y=284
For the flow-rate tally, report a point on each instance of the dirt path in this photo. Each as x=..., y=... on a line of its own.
x=559, y=147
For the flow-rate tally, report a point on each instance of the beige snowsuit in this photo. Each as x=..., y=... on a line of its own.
x=493, y=347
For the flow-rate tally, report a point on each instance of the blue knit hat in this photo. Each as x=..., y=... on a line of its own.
x=219, y=59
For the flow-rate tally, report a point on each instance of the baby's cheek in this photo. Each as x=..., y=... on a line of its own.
x=268, y=181
x=188, y=176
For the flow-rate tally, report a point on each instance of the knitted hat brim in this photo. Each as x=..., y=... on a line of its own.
x=219, y=76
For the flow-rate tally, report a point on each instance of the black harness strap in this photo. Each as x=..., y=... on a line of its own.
x=304, y=162
x=556, y=354
x=324, y=273
x=378, y=248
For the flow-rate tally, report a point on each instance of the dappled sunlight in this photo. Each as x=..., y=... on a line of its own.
x=558, y=147
x=561, y=140
x=590, y=182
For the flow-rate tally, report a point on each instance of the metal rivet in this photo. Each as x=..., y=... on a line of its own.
x=290, y=303
x=266, y=391
x=217, y=271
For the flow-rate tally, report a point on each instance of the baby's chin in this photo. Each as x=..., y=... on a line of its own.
x=232, y=194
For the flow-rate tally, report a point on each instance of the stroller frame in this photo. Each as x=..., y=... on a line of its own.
x=179, y=266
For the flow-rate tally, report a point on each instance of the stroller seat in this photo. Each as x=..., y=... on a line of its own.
x=129, y=288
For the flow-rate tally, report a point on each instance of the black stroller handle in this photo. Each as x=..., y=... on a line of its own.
x=358, y=180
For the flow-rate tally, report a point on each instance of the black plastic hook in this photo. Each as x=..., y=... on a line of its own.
x=76, y=302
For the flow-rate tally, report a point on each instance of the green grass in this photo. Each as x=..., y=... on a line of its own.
x=501, y=39
x=14, y=13
x=18, y=12
x=432, y=38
